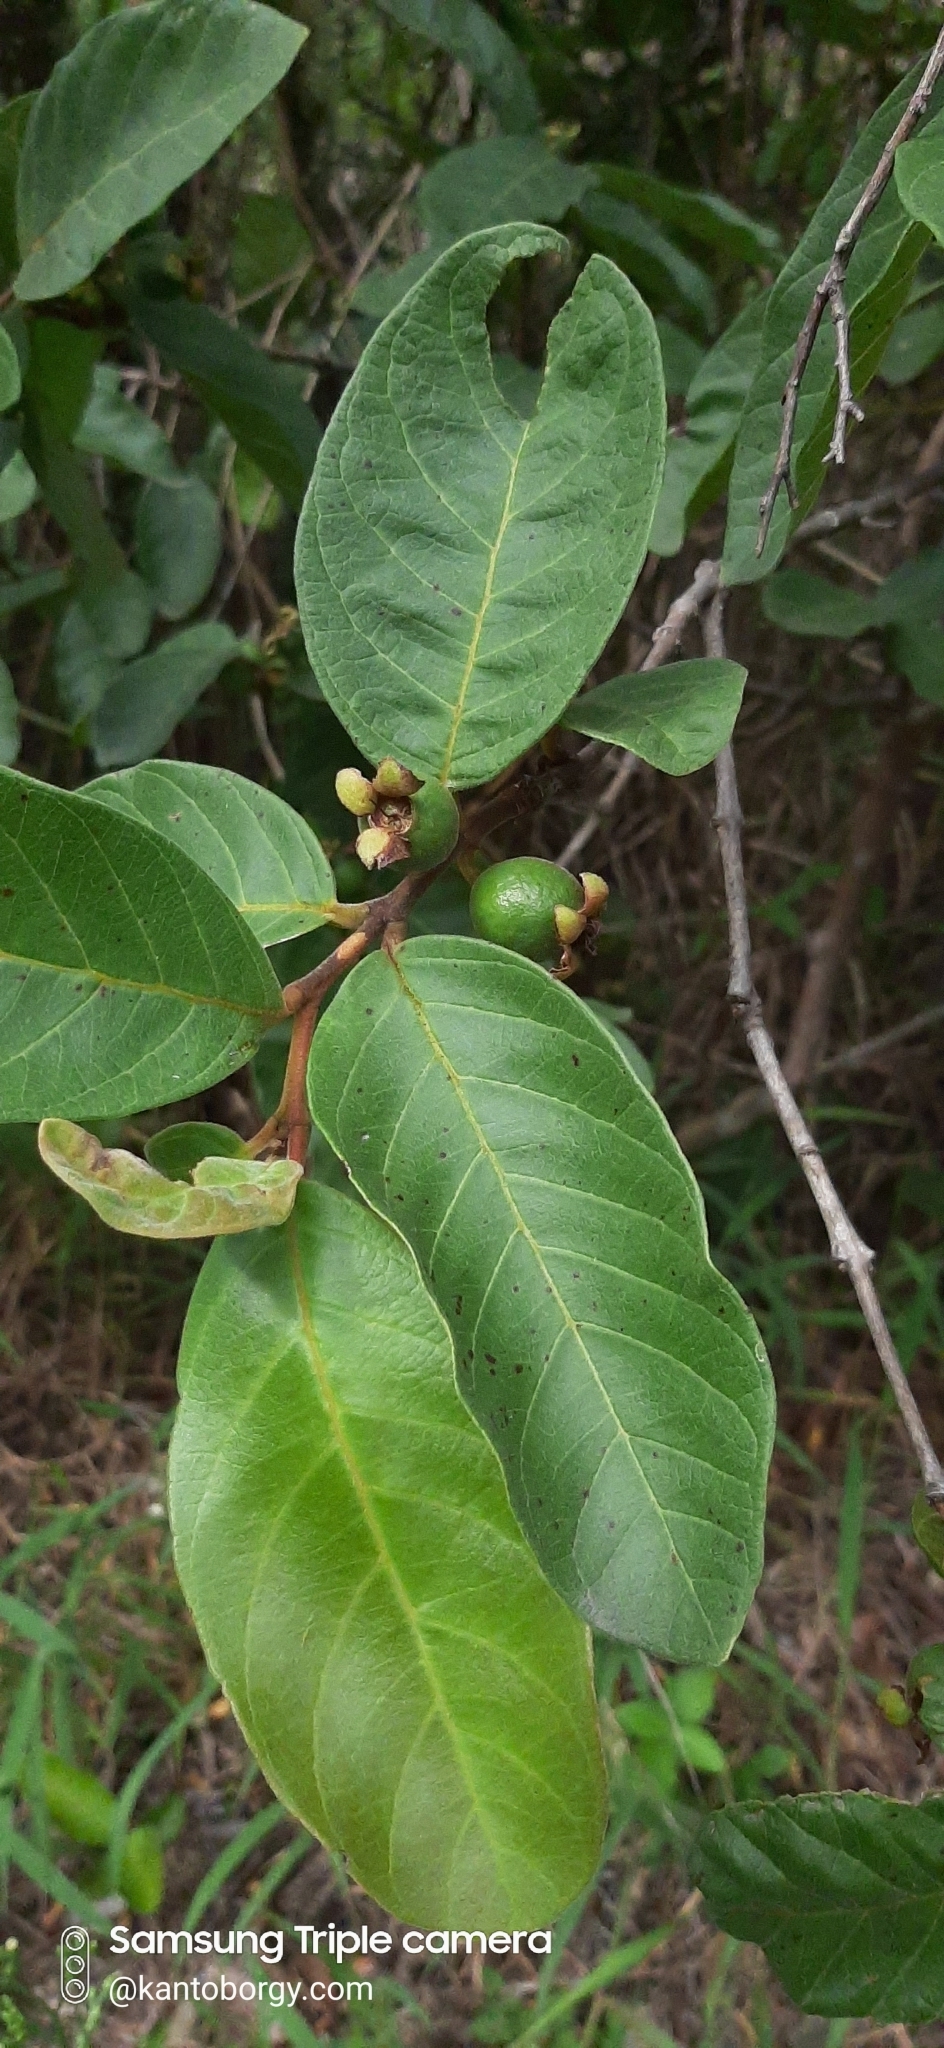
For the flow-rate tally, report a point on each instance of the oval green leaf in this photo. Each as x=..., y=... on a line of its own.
x=677, y=718
x=483, y=1110
x=177, y=543
x=112, y=997
x=226, y=1195
x=844, y=1892
x=257, y=399
x=258, y=850
x=141, y=707
x=145, y=98
x=412, y=1688
x=454, y=588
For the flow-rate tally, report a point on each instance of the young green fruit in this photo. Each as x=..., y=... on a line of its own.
x=435, y=827
x=516, y=903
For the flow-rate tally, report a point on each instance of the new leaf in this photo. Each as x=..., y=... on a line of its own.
x=127, y=979
x=458, y=567
x=411, y=1686
x=623, y=1384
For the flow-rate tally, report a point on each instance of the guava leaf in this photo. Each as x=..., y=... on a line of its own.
x=483, y=1109
x=880, y=272
x=478, y=42
x=177, y=543
x=125, y=433
x=844, y=1892
x=126, y=977
x=455, y=588
x=678, y=718
x=257, y=399
x=800, y=602
x=411, y=1686
x=919, y=176
x=698, y=454
x=142, y=101
x=256, y=848
x=505, y=178
x=223, y=1197
x=149, y=697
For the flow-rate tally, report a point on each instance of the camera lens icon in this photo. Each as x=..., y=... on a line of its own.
x=75, y=1959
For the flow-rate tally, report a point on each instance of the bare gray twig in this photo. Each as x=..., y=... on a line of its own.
x=848, y=1249
x=831, y=292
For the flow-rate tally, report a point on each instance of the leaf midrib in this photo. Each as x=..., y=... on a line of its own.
x=482, y=613
x=385, y=1560
x=82, y=202
x=148, y=988
x=439, y=1053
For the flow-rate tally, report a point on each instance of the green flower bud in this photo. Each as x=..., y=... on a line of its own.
x=894, y=1706
x=355, y=792
x=392, y=780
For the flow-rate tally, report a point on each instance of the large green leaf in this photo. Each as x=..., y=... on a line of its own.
x=701, y=216
x=678, y=718
x=224, y=1196
x=140, y=103
x=647, y=254
x=411, y=1686
x=697, y=460
x=258, y=850
x=141, y=707
x=484, y=1111
x=919, y=176
x=879, y=277
x=454, y=587
x=470, y=35
x=177, y=543
x=126, y=977
x=257, y=399
x=507, y=178
x=844, y=1891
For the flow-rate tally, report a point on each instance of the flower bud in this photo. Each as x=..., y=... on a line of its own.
x=595, y=893
x=355, y=792
x=894, y=1706
x=392, y=780
x=372, y=845
x=568, y=923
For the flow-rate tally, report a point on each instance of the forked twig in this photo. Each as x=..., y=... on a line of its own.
x=850, y=1253
x=831, y=292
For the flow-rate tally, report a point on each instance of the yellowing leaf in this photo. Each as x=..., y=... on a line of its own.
x=227, y=1195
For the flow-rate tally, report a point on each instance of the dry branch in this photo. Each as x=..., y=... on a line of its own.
x=848, y=1249
x=831, y=292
